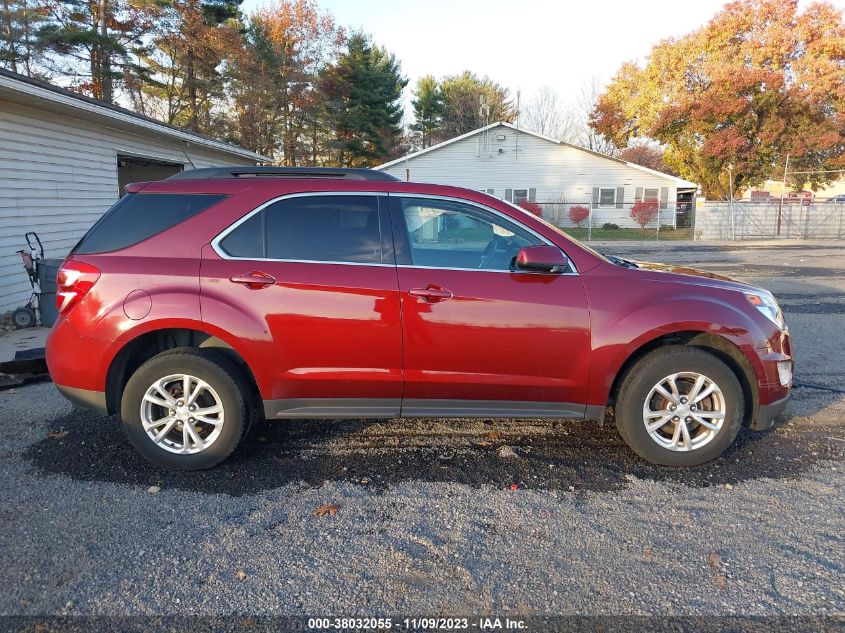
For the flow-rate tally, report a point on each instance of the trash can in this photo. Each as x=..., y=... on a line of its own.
x=47, y=271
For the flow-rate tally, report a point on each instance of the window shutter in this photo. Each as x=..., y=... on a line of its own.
x=595, y=196
x=638, y=194
x=664, y=197
x=620, y=197
x=509, y=195
x=532, y=195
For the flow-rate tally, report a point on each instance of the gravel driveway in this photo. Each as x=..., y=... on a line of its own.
x=450, y=517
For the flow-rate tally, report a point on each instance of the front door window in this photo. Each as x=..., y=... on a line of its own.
x=446, y=234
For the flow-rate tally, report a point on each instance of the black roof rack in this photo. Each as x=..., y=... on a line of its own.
x=281, y=172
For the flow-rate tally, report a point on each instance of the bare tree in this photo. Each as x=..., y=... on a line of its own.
x=585, y=103
x=547, y=114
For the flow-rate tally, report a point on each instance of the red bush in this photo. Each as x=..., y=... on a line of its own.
x=578, y=214
x=644, y=212
x=532, y=207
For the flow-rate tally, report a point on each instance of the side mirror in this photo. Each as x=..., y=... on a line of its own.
x=541, y=259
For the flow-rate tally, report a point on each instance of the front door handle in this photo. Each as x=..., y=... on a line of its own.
x=432, y=293
x=254, y=280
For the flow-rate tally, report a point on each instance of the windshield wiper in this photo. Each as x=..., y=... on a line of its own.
x=621, y=262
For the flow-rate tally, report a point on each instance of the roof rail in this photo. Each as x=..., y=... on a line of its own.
x=281, y=172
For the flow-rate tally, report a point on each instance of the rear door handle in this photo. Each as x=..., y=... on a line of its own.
x=432, y=293
x=254, y=280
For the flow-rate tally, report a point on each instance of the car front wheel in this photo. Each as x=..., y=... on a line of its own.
x=185, y=409
x=680, y=406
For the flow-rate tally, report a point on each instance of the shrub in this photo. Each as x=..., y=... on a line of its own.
x=578, y=214
x=644, y=212
x=610, y=226
x=532, y=207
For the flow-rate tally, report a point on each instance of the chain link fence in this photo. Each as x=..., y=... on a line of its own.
x=743, y=220
x=629, y=221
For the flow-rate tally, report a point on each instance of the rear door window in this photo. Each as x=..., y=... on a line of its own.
x=333, y=228
x=138, y=216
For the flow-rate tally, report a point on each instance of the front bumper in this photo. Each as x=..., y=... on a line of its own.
x=768, y=413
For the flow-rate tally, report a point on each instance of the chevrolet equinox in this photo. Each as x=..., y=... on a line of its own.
x=219, y=296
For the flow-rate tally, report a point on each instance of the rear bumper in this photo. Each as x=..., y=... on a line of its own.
x=76, y=361
x=768, y=413
x=85, y=398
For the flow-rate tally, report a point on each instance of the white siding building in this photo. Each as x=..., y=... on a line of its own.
x=64, y=160
x=519, y=165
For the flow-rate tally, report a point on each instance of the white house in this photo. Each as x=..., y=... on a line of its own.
x=64, y=160
x=518, y=165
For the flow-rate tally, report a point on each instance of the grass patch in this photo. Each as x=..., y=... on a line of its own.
x=626, y=233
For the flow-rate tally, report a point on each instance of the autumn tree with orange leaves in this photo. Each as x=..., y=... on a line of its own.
x=761, y=80
x=273, y=74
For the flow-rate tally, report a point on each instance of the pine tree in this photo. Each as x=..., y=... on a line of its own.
x=94, y=41
x=19, y=23
x=428, y=110
x=363, y=91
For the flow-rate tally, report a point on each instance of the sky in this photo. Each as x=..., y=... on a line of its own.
x=522, y=44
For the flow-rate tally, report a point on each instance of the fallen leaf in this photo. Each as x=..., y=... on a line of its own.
x=240, y=574
x=495, y=435
x=715, y=560
x=329, y=509
x=721, y=581
x=56, y=435
x=648, y=551
x=483, y=443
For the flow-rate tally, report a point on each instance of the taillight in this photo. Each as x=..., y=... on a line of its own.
x=74, y=279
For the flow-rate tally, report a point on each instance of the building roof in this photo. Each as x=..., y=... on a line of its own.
x=679, y=182
x=35, y=92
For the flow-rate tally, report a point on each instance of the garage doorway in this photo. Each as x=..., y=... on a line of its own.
x=137, y=169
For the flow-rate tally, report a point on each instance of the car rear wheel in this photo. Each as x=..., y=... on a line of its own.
x=185, y=409
x=680, y=406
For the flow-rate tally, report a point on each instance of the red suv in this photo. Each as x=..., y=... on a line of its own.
x=220, y=296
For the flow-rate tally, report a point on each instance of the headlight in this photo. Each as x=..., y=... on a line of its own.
x=767, y=305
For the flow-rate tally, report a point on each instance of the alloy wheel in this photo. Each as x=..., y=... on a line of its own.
x=684, y=411
x=182, y=414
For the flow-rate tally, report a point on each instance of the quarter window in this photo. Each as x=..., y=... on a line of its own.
x=138, y=216
x=343, y=229
x=446, y=234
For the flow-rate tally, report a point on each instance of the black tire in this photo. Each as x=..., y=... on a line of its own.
x=215, y=369
x=23, y=317
x=650, y=370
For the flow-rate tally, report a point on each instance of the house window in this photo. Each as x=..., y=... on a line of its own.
x=489, y=191
x=607, y=197
x=520, y=195
x=651, y=194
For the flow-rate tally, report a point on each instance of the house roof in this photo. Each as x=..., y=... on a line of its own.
x=680, y=182
x=33, y=91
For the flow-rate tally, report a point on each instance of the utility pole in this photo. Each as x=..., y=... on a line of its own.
x=516, y=147
x=731, y=199
x=783, y=192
